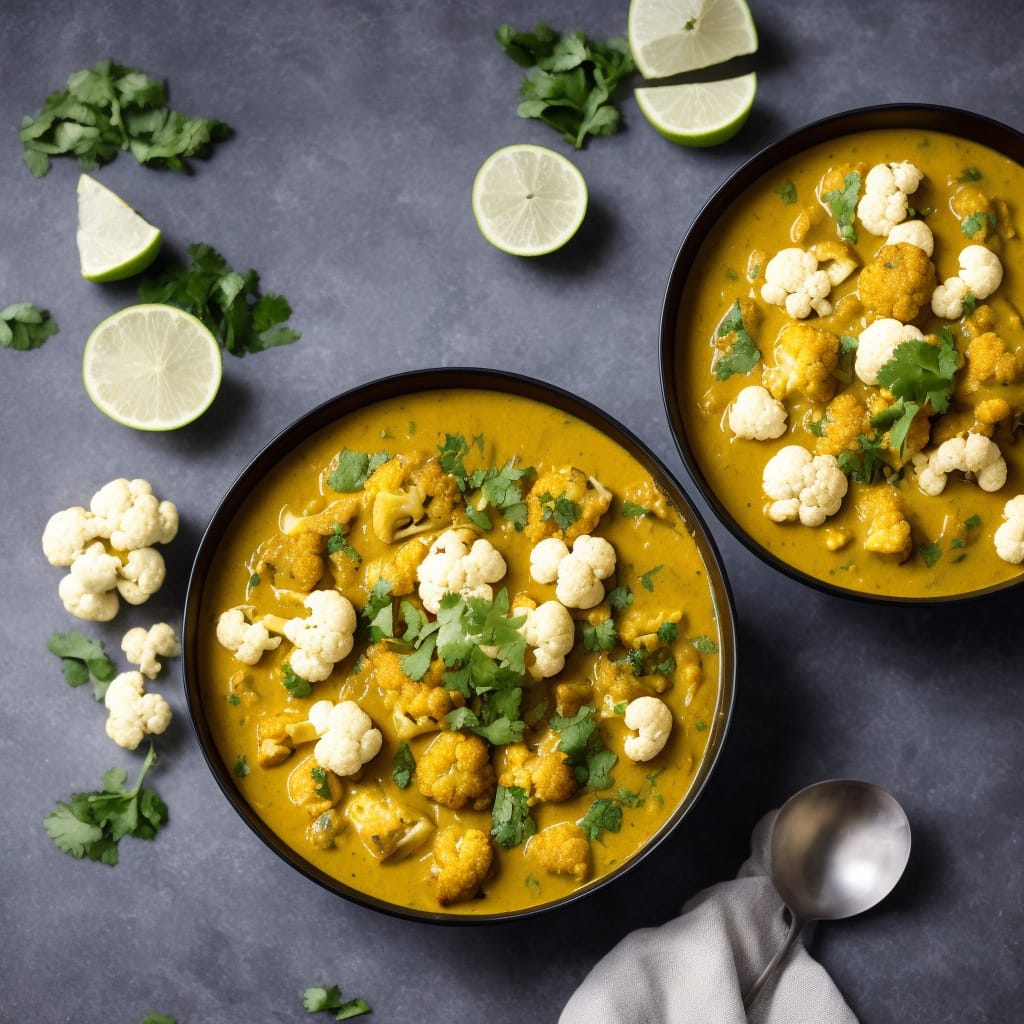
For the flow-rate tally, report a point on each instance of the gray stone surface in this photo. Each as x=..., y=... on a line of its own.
x=359, y=130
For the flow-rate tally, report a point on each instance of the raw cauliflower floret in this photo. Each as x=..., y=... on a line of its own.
x=981, y=273
x=651, y=718
x=89, y=591
x=887, y=528
x=348, y=739
x=913, y=232
x=67, y=534
x=246, y=640
x=756, y=416
x=793, y=280
x=587, y=493
x=456, y=771
x=581, y=573
x=323, y=637
x=805, y=358
x=462, y=862
x=561, y=849
x=544, y=777
x=458, y=562
x=131, y=516
x=897, y=282
x=884, y=202
x=141, y=575
x=803, y=487
x=1009, y=536
x=876, y=344
x=133, y=713
x=976, y=456
x=550, y=632
x=143, y=647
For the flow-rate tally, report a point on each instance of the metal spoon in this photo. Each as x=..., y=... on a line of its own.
x=837, y=849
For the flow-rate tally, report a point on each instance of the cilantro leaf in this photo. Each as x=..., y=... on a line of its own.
x=82, y=659
x=319, y=998
x=919, y=372
x=647, y=579
x=602, y=637
x=605, y=815
x=563, y=510
x=24, y=326
x=868, y=463
x=743, y=354
x=581, y=742
x=230, y=304
x=705, y=644
x=354, y=469
x=842, y=204
x=787, y=192
x=110, y=108
x=511, y=823
x=620, y=598
x=631, y=510
x=976, y=222
x=294, y=683
x=403, y=766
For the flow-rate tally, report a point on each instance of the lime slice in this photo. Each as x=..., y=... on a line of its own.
x=668, y=37
x=152, y=367
x=700, y=114
x=114, y=242
x=528, y=200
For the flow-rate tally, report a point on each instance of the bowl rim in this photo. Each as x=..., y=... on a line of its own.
x=949, y=120
x=332, y=411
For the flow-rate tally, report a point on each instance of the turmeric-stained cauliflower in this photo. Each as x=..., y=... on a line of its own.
x=805, y=358
x=398, y=567
x=462, y=862
x=456, y=771
x=387, y=828
x=292, y=561
x=312, y=787
x=887, y=528
x=555, y=487
x=987, y=361
x=544, y=777
x=418, y=706
x=561, y=849
x=844, y=421
x=408, y=494
x=898, y=282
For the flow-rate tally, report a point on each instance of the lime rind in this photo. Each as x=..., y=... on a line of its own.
x=114, y=241
x=670, y=37
x=699, y=114
x=152, y=367
x=529, y=200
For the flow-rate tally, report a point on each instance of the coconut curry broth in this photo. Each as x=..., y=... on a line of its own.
x=657, y=560
x=952, y=534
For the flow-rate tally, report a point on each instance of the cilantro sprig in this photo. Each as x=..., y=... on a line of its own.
x=328, y=998
x=743, y=355
x=109, y=108
x=842, y=204
x=571, y=81
x=511, y=822
x=82, y=659
x=93, y=824
x=494, y=487
x=354, y=469
x=242, y=318
x=24, y=326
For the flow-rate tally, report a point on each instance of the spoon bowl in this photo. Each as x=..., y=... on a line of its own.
x=838, y=848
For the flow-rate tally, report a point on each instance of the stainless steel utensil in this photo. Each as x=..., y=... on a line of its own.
x=837, y=848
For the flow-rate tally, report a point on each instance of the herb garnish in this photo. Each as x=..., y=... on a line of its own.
x=294, y=683
x=580, y=741
x=563, y=510
x=511, y=823
x=842, y=204
x=605, y=815
x=82, y=659
x=24, y=326
x=320, y=998
x=787, y=192
x=354, y=469
x=498, y=488
x=744, y=354
x=403, y=765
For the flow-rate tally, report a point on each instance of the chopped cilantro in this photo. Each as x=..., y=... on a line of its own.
x=605, y=815
x=563, y=510
x=842, y=204
x=24, y=326
x=337, y=543
x=976, y=222
x=511, y=823
x=254, y=580
x=787, y=192
x=744, y=354
x=580, y=740
x=647, y=579
x=620, y=598
x=667, y=632
x=354, y=469
x=705, y=644
x=321, y=786
x=403, y=765
x=631, y=510
x=82, y=659
x=240, y=769
x=972, y=522
x=294, y=683
x=319, y=998
x=868, y=463
x=930, y=553
x=378, y=613
x=602, y=637
x=969, y=174
x=499, y=488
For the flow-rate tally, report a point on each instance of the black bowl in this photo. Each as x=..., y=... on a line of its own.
x=330, y=413
x=951, y=121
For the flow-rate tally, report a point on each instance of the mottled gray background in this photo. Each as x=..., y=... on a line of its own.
x=359, y=128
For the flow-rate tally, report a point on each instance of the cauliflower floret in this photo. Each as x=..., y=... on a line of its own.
x=805, y=358
x=141, y=575
x=131, y=516
x=981, y=273
x=888, y=532
x=419, y=706
x=143, y=647
x=591, y=498
x=246, y=640
x=312, y=787
x=877, y=343
x=462, y=861
x=409, y=494
x=884, y=202
x=89, y=590
x=792, y=280
x=274, y=742
x=323, y=637
x=913, y=232
x=755, y=415
x=398, y=567
x=293, y=560
x=802, y=486
x=458, y=563
x=67, y=534
x=133, y=713
x=544, y=777
x=388, y=829
x=581, y=572
x=545, y=557
x=550, y=631
x=975, y=455
x=844, y=421
x=1009, y=536
x=348, y=739
x=456, y=771
x=561, y=849
x=987, y=361
x=897, y=282
x=652, y=720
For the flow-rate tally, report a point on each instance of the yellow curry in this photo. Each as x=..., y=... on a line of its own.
x=852, y=364
x=461, y=652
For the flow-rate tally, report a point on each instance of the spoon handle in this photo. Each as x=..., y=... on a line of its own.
x=795, y=927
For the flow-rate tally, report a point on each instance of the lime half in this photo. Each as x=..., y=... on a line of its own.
x=114, y=242
x=701, y=114
x=668, y=37
x=152, y=367
x=528, y=200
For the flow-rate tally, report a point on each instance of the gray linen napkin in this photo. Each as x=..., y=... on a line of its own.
x=696, y=968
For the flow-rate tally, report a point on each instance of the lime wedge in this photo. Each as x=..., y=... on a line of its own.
x=152, y=367
x=114, y=242
x=668, y=37
x=528, y=200
x=701, y=114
